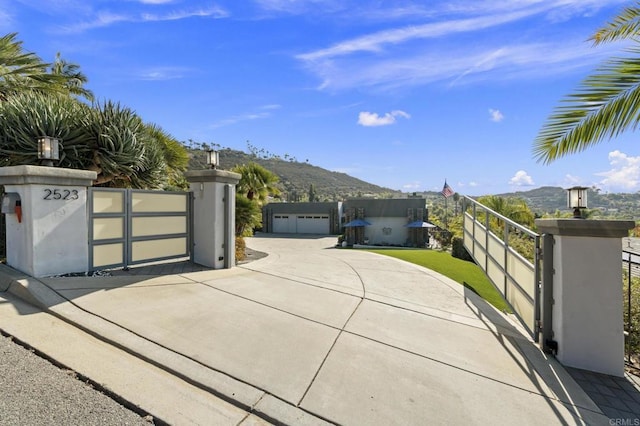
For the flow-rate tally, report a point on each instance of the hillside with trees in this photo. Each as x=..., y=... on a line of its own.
x=550, y=200
x=297, y=178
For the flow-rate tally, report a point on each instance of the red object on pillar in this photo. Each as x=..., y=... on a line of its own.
x=19, y=211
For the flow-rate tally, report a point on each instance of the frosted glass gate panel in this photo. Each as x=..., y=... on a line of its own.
x=134, y=226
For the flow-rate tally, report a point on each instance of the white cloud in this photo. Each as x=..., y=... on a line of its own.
x=271, y=107
x=521, y=178
x=238, y=118
x=457, y=65
x=624, y=174
x=106, y=19
x=156, y=1
x=413, y=186
x=420, y=54
x=163, y=73
x=371, y=119
x=496, y=115
x=263, y=111
x=376, y=41
x=570, y=180
x=295, y=7
x=353, y=10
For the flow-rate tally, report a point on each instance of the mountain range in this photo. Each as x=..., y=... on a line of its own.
x=296, y=179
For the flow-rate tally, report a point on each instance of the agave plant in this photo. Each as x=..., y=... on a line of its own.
x=107, y=138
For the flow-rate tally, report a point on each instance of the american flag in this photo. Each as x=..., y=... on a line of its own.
x=447, y=191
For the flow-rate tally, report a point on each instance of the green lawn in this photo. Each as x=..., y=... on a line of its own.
x=463, y=272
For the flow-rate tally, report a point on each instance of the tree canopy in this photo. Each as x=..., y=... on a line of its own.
x=40, y=99
x=256, y=183
x=21, y=71
x=606, y=104
x=107, y=138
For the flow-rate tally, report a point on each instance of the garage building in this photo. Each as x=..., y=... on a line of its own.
x=302, y=218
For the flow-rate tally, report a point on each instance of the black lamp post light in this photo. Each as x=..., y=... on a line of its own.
x=48, y=150
x=577, y=200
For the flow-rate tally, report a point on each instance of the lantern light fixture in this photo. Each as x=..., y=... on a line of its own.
x=213, y=158
x=577, y=200
x=48, y=150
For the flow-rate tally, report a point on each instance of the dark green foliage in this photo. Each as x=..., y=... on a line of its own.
x=296, y=177
x=248, y=215
x=632, y=326
x=458, y=250
x=108, y=139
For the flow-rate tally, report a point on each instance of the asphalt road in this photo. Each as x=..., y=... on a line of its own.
x=35, y=392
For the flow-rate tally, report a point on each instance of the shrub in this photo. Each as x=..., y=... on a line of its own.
x=240, y=249
x=458, y=250
x=633, y=340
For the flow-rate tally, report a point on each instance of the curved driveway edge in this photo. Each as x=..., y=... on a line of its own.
x=313, y=333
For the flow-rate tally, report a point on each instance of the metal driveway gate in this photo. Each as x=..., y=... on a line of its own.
x=128, y=227
x=487, y=237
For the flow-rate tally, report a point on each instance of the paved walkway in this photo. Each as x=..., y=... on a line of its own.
x=307, y=335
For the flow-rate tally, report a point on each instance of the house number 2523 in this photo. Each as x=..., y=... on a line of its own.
x=60, y=194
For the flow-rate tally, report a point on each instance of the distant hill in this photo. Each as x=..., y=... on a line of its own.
x=548, y=199
x=297, y=177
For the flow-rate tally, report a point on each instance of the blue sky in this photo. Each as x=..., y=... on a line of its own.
x=403, y=94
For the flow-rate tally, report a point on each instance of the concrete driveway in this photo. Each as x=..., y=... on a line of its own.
x=313, y=334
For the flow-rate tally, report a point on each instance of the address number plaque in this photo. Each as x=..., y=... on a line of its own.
x=51, y=194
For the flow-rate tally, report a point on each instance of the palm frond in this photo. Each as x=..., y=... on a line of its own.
x=625, y=25
x=606, y=104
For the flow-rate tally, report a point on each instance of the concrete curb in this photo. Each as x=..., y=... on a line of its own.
x=219, y=384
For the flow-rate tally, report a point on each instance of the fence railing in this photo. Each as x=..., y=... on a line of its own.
x=3, y=231
x=509, y=253
x=631, y=271
x=3, y=237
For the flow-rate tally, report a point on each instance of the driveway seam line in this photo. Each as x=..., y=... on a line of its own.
x=342, y=330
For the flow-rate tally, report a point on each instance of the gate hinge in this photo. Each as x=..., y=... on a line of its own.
x=551, y=346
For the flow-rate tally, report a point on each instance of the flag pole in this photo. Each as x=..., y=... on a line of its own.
x=447, y=192
x=446, y=213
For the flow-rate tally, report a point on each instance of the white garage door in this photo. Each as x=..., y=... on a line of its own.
x=284, y=224
x=312, y=224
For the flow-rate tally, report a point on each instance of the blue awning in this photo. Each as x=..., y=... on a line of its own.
x=420, y=224
x=356, y=222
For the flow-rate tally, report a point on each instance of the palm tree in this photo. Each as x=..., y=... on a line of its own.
x=175, y=155
x=256, y=183
x=74, y=79
x=23, y=71
x=606, y=104
x=515, y=209
x=248, y=215
x=456, y=200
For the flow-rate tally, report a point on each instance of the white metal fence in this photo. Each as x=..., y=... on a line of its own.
x=490, y=238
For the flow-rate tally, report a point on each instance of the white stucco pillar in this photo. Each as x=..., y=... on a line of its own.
x=51, y=236
x=214, y=205
x=587, y=313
